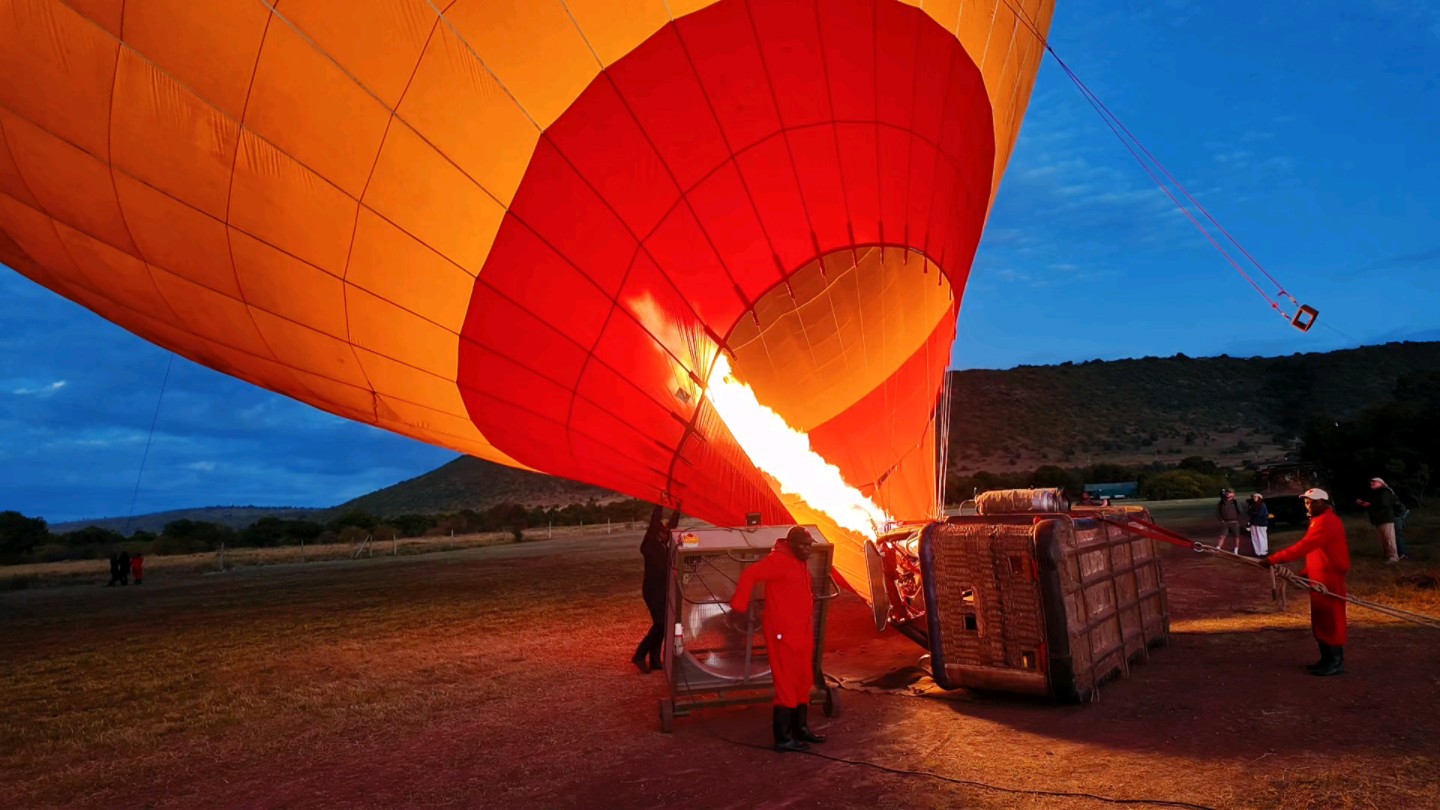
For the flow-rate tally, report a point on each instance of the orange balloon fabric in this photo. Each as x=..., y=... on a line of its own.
x=521, y=228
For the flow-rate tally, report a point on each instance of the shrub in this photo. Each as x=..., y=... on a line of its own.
x=1178, y=484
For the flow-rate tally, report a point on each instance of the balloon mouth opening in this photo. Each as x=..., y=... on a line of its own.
x=839, y=327
x=801, y=356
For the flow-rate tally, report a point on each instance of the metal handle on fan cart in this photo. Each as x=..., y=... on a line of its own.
x=834, y=592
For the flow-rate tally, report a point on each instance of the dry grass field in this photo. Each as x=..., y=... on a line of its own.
x=498, y=677
x=15, y=577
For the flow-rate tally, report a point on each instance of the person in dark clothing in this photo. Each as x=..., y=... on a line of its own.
x=1231, y=515
x=124, y=565
x=114, y=569
x=1382, y=516
x=655, y=549
x=1259, y=513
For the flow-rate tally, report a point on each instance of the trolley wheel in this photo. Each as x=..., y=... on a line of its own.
x=832, y=701
x=667, y=716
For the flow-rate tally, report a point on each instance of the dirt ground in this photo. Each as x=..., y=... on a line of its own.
x=499, y=677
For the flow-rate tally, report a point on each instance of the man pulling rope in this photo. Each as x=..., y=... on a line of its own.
x=1327, y=562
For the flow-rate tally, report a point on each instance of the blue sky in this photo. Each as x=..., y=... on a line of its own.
x=1311, y=137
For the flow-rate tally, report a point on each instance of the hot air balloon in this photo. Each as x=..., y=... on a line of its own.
x=692, y=251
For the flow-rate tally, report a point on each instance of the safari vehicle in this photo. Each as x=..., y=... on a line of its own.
x=1281, y=485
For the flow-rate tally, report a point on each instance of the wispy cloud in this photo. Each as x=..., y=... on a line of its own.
x=42, y=391
x=217, y=440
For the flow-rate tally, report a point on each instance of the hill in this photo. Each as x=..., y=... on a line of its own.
x=236, y=517
x=1228, y=409
x=471, y=483
x=465, y=483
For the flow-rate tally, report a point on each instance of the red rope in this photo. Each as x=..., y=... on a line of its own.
x=1145, y=528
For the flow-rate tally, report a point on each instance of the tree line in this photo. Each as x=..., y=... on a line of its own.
x=1192, y=477
x=29, y=539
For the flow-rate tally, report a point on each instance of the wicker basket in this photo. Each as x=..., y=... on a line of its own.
x=1042, y=604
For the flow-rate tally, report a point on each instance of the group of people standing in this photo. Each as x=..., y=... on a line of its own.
x=1386, y=511
x=1235, y=517
x=123, y=566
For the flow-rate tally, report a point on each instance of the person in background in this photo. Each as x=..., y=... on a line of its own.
x=124, y=565
x=1381, y=507
x=137, y=567
x=1259, y=513
x=1327, y=561
x=655, y=549
x=1232, y=517
x=114, y=569
x=1401, y=513
x=789, y=627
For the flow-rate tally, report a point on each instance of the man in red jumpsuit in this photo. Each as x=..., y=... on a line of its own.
x=788, y=624
x=1327, y=561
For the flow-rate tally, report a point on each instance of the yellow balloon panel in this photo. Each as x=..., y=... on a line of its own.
x=456, y=104
x=278, y=283
x=613, y=28
x=432, y=286
x=379, y=46
x=71, y=185
x=428, y=197
x=175, y=236
x=56, y=70
x=533, y=49
x=214, y=52
x=279, y=200
x=310, y=109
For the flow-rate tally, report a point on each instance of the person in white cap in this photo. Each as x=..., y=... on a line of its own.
x=1382, y=517
x=1259, y=513
x=1327, y=561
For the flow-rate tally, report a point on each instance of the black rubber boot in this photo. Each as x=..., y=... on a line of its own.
x=781, y=721
x=1324, y=658
x=800, y=725
x=1336, y=665
x=638, y=659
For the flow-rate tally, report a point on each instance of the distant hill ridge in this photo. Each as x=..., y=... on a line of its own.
x=465, y=483
x=1130, y=411
x=1228, y=409
x=233, y=516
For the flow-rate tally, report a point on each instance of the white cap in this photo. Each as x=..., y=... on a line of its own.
x=1316, y=495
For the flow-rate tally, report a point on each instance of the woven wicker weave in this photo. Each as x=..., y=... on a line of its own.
x=988, y=598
